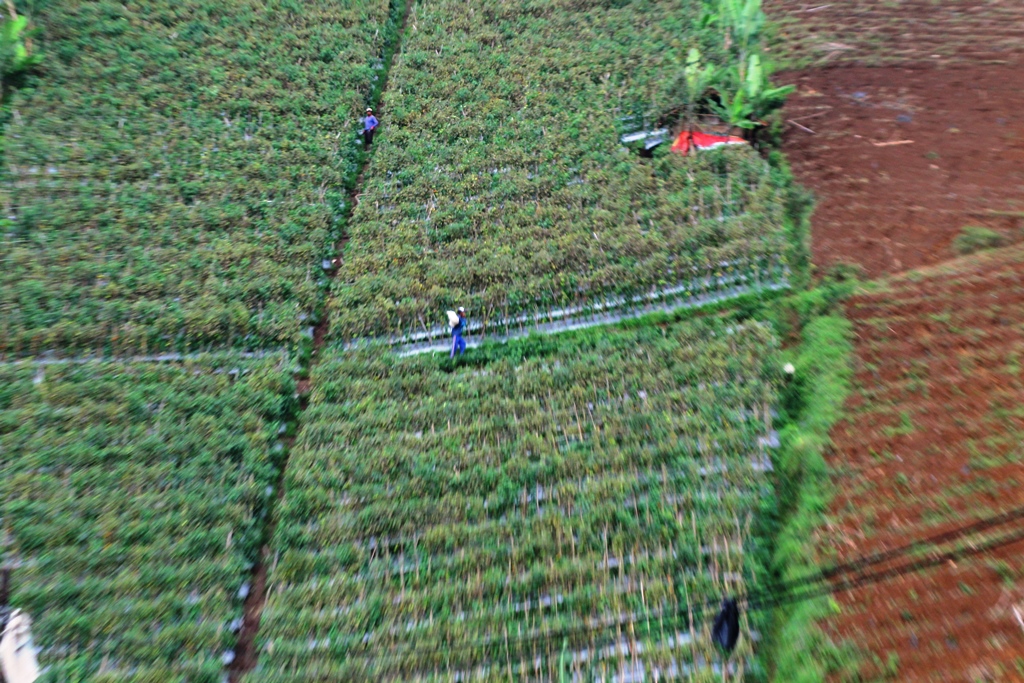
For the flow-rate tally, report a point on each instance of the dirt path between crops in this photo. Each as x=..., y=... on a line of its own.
x=902, y=158
x=246, y=652
x=246, y=649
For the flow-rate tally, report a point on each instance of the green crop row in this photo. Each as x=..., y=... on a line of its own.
x=499, y=182
x=175, y=175
x=441, y=519
x=130, y=506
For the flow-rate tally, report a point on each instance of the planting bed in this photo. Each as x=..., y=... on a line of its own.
x=932, y=441
x=130, y=507
x=499, y=182
x=440, y=520
x=893, y=207
x=175, y=176
x=898, y=31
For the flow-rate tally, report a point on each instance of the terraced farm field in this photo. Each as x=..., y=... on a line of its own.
x=131, y=503
x=562, y=512
x=933, y=441
x=500, y=184
x=175, y=177
x=881, y=32
x=560, y=506
x=907, y=127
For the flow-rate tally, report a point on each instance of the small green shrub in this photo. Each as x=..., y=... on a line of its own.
x=974, y=238
x=846, y=272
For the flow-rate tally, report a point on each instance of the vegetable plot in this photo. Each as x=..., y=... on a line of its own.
x=499, y=182
x=520, y=520
x=173, y=178
x=130, y=506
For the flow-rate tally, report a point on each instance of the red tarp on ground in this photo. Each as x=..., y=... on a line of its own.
x=692, y=138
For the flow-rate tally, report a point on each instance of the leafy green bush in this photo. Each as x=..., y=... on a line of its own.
x=974, y=238
x=16, y=56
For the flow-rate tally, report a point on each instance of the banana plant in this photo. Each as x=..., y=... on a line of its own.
x=688, y=91
x=746, y=21
x=15, y=56
x=697, y=80
x=736, y=110
x=764, y=98
x=742, y=21
x=755, y=98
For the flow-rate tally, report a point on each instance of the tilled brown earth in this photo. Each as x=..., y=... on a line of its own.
x=908, y=125
x=934, y=440
x=898, y=31
x=901, y=159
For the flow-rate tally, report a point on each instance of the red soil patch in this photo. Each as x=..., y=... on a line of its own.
x=893, y=207
x=933, y=441
x=898, y=31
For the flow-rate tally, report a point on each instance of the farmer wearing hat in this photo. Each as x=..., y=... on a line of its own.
x=458, y=323
x=369, y=125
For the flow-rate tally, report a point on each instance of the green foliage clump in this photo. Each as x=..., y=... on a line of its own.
x=974, y=238
x=131, y=503
x=16, y=53
x=746, y=92
x=731, y=78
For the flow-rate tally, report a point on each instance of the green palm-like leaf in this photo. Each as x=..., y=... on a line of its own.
x=698, y=78
x=11, y=30
x=16, y=55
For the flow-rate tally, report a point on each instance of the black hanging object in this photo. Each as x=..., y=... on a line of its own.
x=5, y=586
x=726, y=630
x=5, y=598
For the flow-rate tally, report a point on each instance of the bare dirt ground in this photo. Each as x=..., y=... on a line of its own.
x=908, y=124
x=934, y=439
x=901, y=159
x=874, y=32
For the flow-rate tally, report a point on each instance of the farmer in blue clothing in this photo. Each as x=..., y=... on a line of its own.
x=458, y=343
x=369, y=126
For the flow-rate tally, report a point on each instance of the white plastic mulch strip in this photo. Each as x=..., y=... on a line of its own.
x=153, y=358
x=570, y=324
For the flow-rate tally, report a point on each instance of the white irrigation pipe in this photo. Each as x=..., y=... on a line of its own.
x=568, y=325
x=565, y=320
x=574, y=311
x=156, y=358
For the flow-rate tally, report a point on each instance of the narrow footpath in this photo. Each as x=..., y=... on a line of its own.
x=246, y=650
